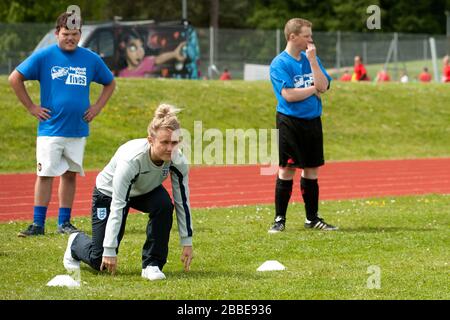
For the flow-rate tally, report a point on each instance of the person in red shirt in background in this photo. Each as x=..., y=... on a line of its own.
x=383, y=76
x=346, y=76
x=360, y=73
x=226, y=75
x=446, y=70
x=425, y=76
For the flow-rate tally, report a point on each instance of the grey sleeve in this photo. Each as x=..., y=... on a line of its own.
x=123, y=179
x=180, y=192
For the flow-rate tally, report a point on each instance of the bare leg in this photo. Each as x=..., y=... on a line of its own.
x=66, y=190
x=310, y=173
x=286, y=173
x=43, y=191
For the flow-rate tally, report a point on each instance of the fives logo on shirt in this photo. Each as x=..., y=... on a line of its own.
x=71, y=75
x=303, y=81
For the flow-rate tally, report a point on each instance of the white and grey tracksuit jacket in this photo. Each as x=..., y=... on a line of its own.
x=131, y=173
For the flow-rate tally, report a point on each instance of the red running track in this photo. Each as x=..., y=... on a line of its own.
x=244, y=185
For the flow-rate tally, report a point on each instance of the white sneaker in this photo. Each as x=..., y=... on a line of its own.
x=153, y=273
x=69, y=262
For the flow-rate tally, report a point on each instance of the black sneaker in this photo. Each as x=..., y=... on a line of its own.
x=320, y=224
x=33, y=230
x=67, y=228
x=278, y=225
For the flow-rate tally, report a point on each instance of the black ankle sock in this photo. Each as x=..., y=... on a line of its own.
x=310, y=194
x=283, y=191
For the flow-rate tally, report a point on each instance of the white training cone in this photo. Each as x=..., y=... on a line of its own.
x=63, y=281
x=271, y=265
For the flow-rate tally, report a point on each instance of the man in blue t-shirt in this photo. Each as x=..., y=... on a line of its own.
x=298, y=79
x=65, y=72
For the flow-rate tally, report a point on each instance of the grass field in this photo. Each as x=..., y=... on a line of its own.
x=406, y=237
x=361, y=120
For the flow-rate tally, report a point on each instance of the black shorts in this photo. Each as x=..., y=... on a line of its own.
x=300, y=142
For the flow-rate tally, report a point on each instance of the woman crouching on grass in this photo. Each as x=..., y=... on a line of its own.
x=133, y=179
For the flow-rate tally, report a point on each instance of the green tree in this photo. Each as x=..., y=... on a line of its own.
x=420, y=16
x=48, y=11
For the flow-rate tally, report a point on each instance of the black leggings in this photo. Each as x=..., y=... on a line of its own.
x=156, y=247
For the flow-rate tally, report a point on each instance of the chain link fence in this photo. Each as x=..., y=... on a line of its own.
x=233, y=48
x=17, y=41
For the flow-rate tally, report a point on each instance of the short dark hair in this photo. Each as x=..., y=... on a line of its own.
x=61, y=22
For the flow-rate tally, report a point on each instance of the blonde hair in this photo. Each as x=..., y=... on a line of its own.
x=165, y=118
x=295, y=26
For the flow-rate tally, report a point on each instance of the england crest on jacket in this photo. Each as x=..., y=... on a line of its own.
x=165, y=172
x=101, y=213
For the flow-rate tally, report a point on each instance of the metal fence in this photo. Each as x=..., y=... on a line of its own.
x=233, y=48
x=17, y=41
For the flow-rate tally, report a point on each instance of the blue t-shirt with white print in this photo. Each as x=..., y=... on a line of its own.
x=65, y=78
x=287, y=72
